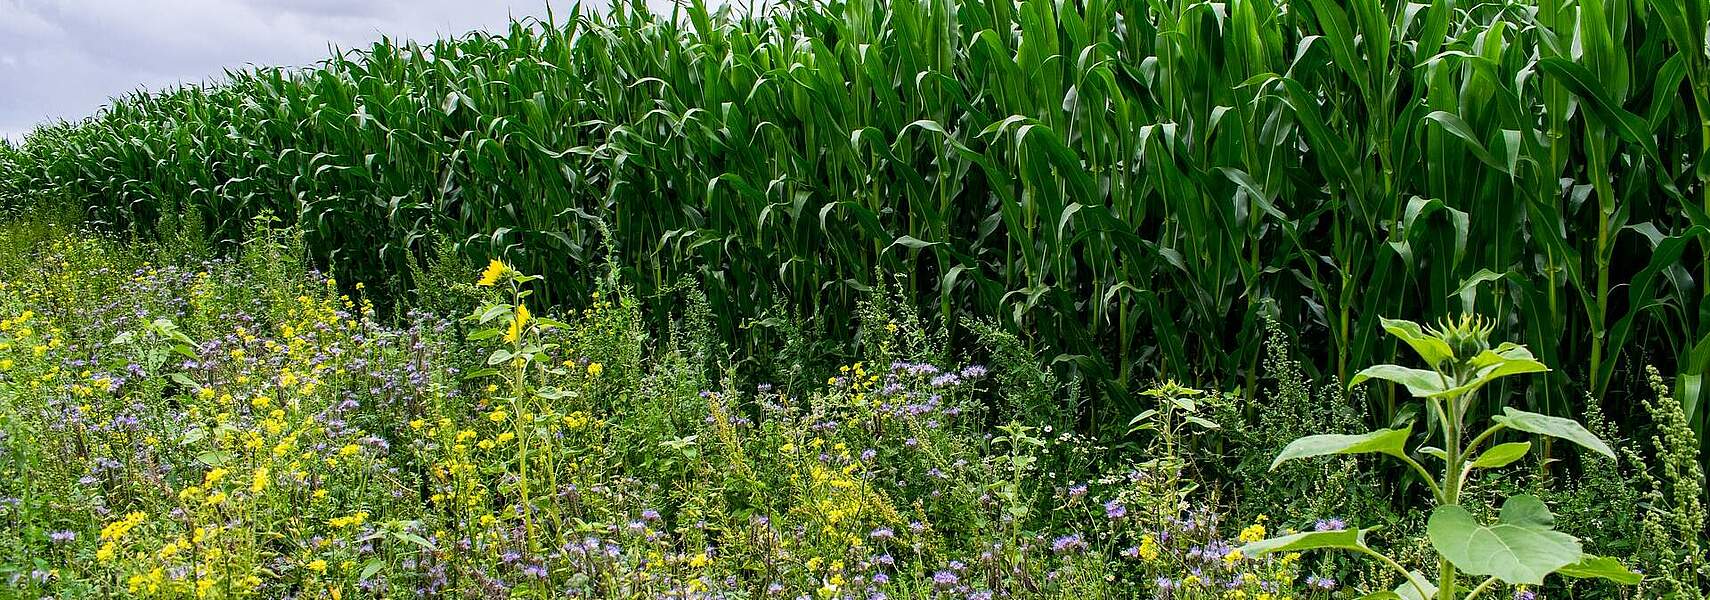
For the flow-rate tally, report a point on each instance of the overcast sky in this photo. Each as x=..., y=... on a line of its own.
x=65, y=58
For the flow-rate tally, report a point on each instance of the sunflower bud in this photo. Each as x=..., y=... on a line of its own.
x=1467, y=336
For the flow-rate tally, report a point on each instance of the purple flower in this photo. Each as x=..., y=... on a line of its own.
x=882, y=533
x=1115, y=510
x=945, y=579
x=1330, y=524
x=1068, y=543
x=61, y=537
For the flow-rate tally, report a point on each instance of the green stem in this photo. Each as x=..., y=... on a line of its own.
x=1436, y=492
x=1418, y=582
x=1482, y=587
x=1484, y=436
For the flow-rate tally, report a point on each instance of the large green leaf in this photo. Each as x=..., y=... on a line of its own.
x=1601, y=567
x=1342, y=539
x=1386, y=441
x=1520, y=548
x=1557, y=427
x=1502, y=455
x=1490, y=365
x=1419, y=382
x=1432, y=349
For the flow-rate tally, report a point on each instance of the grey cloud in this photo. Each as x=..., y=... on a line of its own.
x=63, y=59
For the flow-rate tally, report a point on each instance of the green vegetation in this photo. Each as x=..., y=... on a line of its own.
x=1134, y=184
x=1522, y=547
x=732, y=256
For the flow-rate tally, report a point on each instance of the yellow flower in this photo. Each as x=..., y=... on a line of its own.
x=318, y=566
x=576, y=420
x=517, y=324
x=354, y=520
x=498, y=416
x=259, y=481
x=494, y=271
x=594, y=369
x=1252, y=533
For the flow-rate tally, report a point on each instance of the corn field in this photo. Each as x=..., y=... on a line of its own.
x=1132, y=184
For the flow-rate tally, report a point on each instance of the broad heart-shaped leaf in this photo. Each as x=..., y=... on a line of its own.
x=1387, y=441
x=1419, y=382
x=1601, y=567
x=1429, y=347
x=1502, y=454
x=1344, y=539
x=1557, y=427
x=1519, y=548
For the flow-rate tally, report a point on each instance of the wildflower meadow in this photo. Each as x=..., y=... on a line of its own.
x=857, y=300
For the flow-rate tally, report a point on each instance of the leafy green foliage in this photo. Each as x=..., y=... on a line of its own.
x=1557, y=427
x=1386, y=441
x=1129, y=181
x=1522, y=547
x=1519, y=548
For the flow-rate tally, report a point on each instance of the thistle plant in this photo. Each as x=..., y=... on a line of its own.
x=1521, y=548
